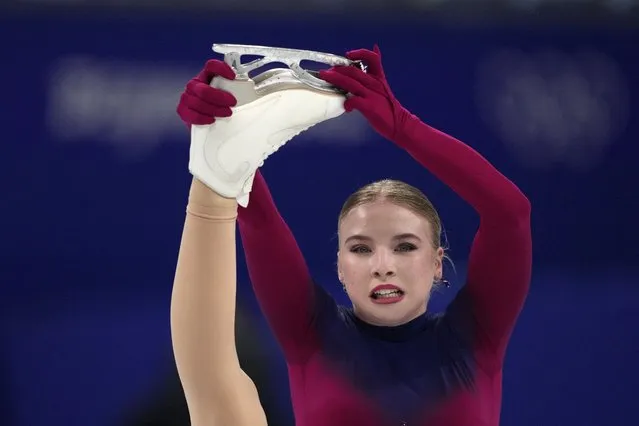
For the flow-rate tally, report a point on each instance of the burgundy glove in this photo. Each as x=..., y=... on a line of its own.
x=202, y=104
x=369, y=92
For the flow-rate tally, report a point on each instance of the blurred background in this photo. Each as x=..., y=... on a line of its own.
x=93, y=172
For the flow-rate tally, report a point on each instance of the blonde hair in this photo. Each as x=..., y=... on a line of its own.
x=401, y=194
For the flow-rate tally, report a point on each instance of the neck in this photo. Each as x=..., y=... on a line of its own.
x=403, y=330
x=371, y=320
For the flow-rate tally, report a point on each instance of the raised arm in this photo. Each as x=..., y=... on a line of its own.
x=276, y=266
x=499, y=266
x=501, y=256
x=277, y=269
x=203, y=316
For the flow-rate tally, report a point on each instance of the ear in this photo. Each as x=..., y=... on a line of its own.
x=439, y=262
x=340, y=275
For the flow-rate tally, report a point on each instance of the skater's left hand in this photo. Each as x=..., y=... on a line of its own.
x=369, y=92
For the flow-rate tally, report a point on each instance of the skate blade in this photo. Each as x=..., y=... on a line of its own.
x=279, y=79
x=290, y=57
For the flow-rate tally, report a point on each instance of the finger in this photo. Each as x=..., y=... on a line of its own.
x=193, y=117
x=215, y=67
x=367, y=80
x=343, y=82
x=372, y=59
x=354, y=103
x=210, y=94
x=203, y=107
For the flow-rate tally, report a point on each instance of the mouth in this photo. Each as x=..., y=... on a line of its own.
x=386, y=294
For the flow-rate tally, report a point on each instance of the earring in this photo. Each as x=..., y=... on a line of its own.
x=442, y=281
x=344, y=288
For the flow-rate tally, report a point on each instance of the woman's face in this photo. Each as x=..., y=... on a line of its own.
x=387, y=262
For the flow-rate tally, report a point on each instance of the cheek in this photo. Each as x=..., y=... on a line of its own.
x=419, y=278
x=352, y=269
x=421, y=267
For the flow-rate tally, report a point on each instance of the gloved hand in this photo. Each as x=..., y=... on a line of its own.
x=225, y=154
x=200, y=103
x=369, y=92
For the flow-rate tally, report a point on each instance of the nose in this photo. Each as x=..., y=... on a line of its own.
x=383, y=275
x=383, y=265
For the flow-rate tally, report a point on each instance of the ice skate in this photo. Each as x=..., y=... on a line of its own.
x=273, y=107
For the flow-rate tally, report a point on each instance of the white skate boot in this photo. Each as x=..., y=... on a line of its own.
x=272, y=108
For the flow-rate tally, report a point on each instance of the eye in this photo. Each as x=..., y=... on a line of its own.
x=360, y=249
x=405, y=247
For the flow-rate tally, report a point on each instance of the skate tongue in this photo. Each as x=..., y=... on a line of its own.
x=243, y=199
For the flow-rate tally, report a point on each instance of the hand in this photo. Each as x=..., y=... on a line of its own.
x=200, y=103
x=369, y=92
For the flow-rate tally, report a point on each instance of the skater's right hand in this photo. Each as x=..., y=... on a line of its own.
x=200, y=103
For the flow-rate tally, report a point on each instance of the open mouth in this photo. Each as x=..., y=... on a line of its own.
x=386, y=294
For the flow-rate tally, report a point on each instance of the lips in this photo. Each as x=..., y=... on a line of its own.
x=386, y=294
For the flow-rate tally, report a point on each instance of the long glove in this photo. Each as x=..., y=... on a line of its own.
x=369, y=93
x=200, y=103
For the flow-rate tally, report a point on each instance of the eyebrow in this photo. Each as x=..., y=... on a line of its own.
x=404, y=236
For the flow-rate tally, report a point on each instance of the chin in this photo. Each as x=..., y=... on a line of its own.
x=391, y=322
x=390, y=315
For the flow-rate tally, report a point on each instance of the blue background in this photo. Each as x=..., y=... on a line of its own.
x=94, y=181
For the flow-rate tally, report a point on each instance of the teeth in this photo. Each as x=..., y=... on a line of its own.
x=387, y=293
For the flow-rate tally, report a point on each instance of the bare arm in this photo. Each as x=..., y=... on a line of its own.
x=203, y=316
